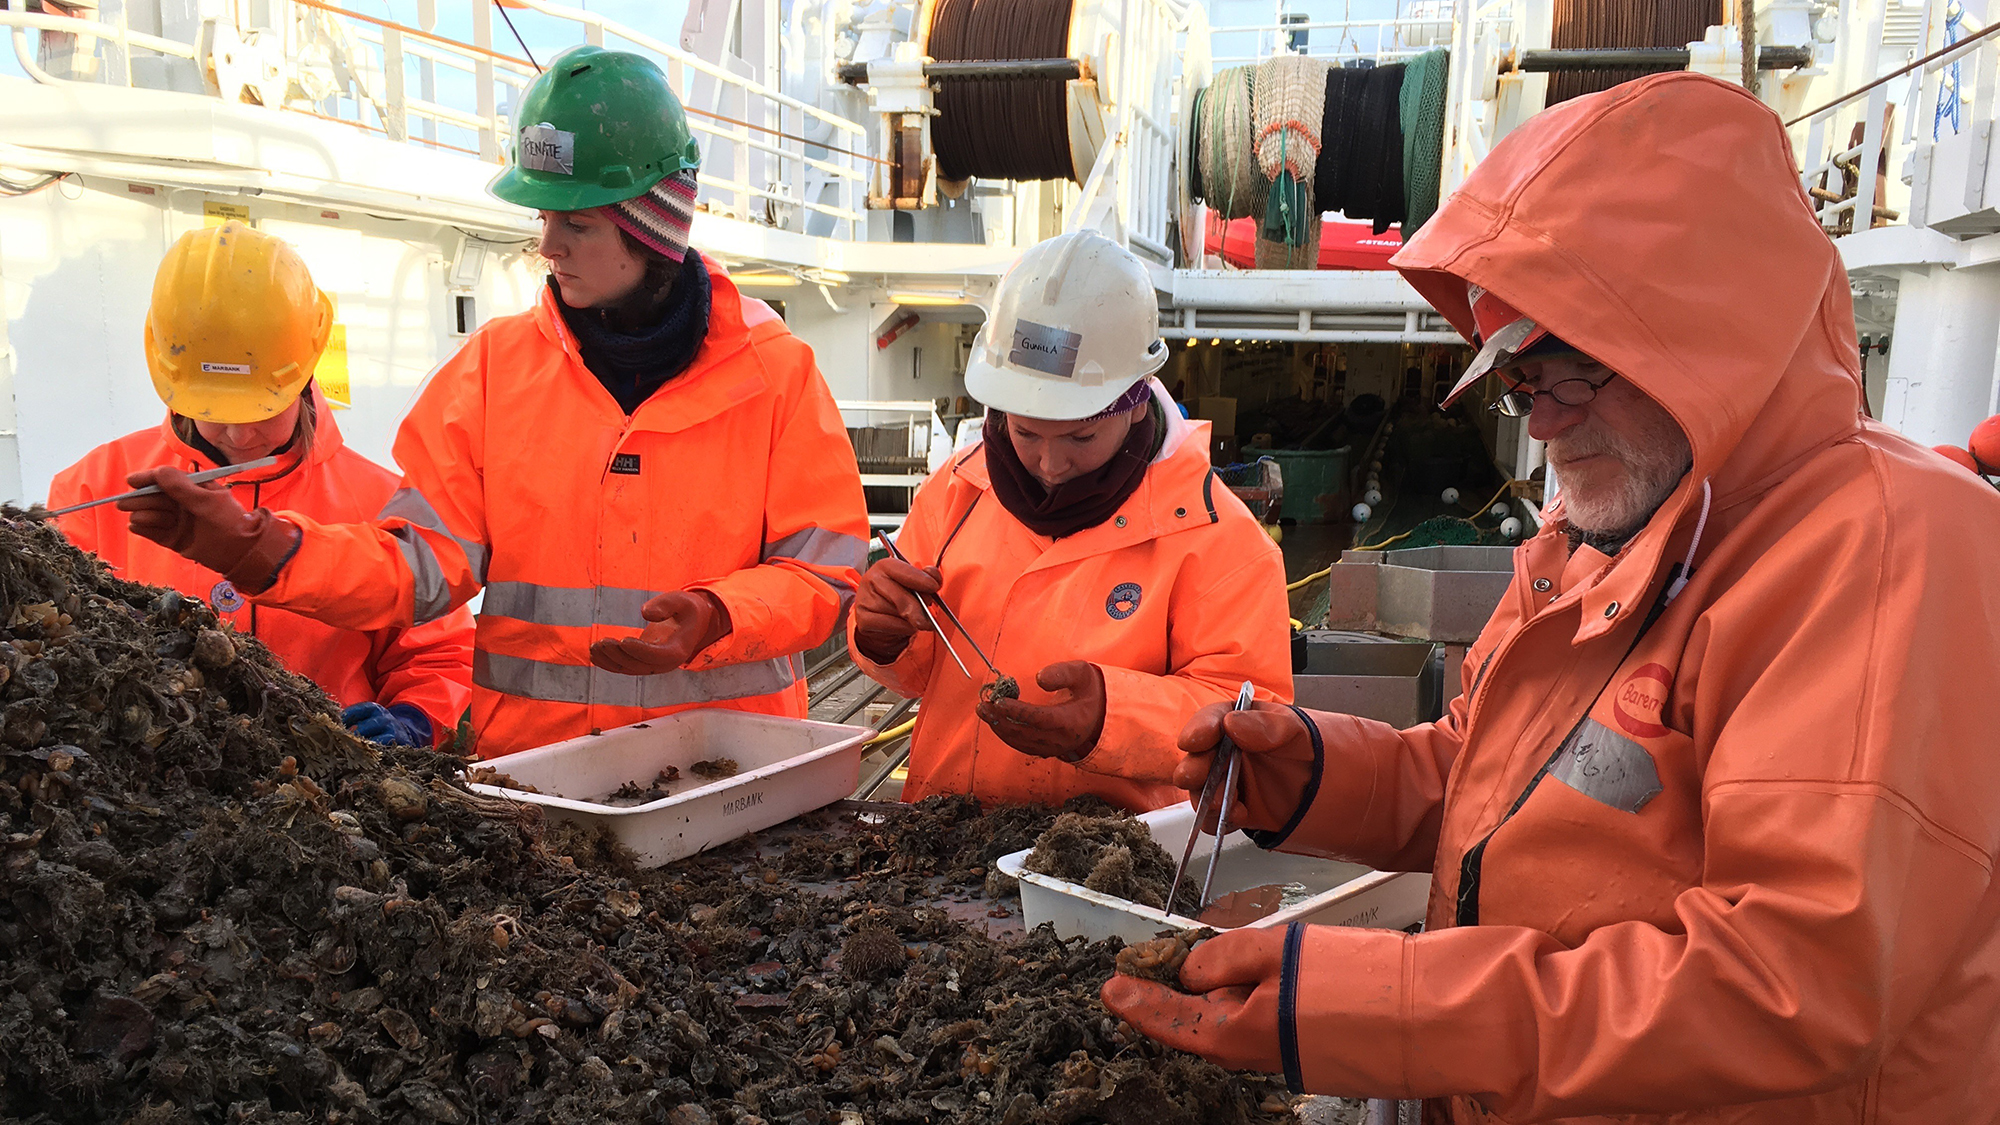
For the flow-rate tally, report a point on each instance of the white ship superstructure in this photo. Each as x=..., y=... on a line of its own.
x=832, y=131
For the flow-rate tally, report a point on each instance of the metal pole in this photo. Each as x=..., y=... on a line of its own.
x=855, y=74
x=1642, y=58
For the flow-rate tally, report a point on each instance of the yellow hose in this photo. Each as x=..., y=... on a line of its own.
x=1386, y=542
x=893, y=733
x=1489, y=502
x=1319, y=574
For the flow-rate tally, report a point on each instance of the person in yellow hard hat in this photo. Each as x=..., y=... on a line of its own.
x=644, y=476
x=235, y=329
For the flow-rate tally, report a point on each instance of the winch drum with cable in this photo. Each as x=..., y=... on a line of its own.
x=1033, y=126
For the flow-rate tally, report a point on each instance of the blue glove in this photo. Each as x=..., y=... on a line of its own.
x=399, y=724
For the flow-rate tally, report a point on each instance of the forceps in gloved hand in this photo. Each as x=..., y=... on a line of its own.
x=1223, y=770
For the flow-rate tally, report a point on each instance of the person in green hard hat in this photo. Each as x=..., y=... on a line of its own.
x=645, y=472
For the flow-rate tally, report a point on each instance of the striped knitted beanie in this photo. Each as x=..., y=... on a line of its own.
x=660, y=217
x=1141, y=391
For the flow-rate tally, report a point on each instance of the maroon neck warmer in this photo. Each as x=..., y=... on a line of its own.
x=1076, y=504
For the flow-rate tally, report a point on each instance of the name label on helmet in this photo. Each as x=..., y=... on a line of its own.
x=1040, y=347
x=226, y=368
x=545, y=148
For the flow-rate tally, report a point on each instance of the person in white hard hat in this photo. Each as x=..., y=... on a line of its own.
x=1087, y=548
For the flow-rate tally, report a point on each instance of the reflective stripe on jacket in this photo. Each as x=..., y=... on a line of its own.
x=1741, y=871
x=522, y=475
x=428, y=665
x=1177, y=599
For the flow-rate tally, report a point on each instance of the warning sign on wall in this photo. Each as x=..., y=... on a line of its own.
x=215, y=212
x=331, y=373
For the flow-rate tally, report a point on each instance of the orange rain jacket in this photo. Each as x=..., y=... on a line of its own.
x=428, y=666
x=523, y=476
x=1740, y=869
x=1178, y=598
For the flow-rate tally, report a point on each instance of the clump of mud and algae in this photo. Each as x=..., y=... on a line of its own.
x=218, y=906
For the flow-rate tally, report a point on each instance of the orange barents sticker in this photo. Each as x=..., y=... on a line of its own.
x=1641, y=701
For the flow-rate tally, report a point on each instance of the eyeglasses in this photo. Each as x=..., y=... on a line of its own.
x=1519, y=401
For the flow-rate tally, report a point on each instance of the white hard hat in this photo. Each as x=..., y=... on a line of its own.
x=1073, y=326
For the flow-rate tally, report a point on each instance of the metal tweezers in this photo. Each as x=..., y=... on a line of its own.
x=202, y=477
x=900, y=557
x=1225, y=768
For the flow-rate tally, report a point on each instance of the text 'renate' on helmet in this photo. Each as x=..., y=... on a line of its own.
x=597, y=127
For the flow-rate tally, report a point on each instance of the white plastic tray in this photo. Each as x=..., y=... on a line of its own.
x=787, y=767
x=1343, y=894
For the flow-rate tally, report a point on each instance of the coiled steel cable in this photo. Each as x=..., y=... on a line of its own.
x=1001, y=128
x=1623, y=23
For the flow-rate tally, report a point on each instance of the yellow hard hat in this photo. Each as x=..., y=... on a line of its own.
x=236, y=325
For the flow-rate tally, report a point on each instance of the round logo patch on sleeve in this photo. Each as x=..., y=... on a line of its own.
x=226, y=598
x=1124, y=601
x=1640, y=704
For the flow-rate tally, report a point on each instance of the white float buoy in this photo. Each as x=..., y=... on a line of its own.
x=1500, y=509
x=1451, y=495
x=1510, y=528
x=1372, y=497
x=1362, y=512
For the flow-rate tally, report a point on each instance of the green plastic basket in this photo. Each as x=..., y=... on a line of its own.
x=1315, y=479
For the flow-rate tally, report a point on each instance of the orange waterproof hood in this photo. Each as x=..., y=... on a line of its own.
x=1661, y=228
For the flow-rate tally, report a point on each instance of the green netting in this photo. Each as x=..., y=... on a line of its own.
x=1444, y=531
x=1422, y=110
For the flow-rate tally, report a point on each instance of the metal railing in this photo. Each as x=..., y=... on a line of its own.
x=1383, y=40
x=1844, y=175
x=774, y=159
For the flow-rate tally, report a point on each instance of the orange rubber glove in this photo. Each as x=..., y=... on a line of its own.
x=886, y=610
x=1241, y=1014
x=683, y=623
x=204, y=523
x=1068, y=730
x=1282, y=756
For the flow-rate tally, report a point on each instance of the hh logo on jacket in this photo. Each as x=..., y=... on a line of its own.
x=1124, y=601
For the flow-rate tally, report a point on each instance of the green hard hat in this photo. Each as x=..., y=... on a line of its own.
x=597, y=127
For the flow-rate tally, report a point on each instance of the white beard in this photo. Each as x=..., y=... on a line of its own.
x=1653, y=464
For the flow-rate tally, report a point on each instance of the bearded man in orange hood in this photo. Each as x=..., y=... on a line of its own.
x=1712, y=826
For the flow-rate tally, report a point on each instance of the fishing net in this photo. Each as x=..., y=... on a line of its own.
x=1422, y=113
x=1229, y=180
x=1287, y=107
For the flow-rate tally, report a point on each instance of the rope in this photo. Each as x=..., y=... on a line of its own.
x=1948, y=93
x=1001, y=128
